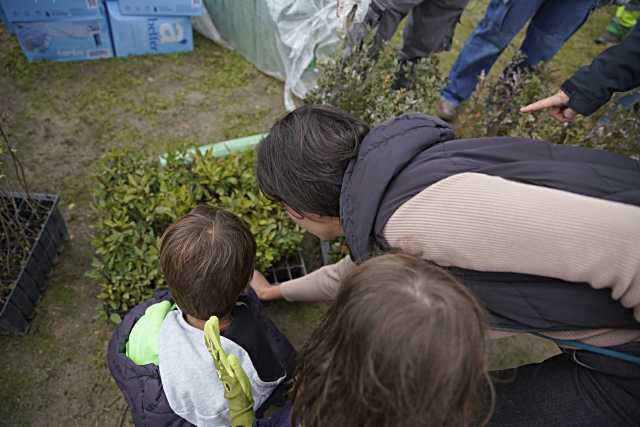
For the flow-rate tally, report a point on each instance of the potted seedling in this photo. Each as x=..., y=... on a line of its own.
x=31, y=234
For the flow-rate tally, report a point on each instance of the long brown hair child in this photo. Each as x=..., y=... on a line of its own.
x=403, y=345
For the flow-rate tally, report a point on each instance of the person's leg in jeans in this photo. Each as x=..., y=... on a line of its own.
x=552, y=25
x=561, y=392
x=430, y=28
x=502, y=21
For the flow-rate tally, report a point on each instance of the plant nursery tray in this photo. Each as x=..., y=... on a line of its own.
x=45, y=230
x=288, y=268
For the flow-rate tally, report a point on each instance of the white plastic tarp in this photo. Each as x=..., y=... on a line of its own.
x=283, y=38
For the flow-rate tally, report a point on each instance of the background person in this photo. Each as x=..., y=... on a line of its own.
x=429, y=29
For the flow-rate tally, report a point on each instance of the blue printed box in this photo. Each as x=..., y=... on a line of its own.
x=74, y=39
x=5, y=22
x=49, y=10
x=161, y=7
x=141, y=35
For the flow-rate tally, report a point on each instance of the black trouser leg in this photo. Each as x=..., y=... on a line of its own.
x=430, y=27
x=561, y=392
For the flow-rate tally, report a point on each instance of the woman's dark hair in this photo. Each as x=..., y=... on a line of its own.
x=207, y=257
x=404, y=344
x=303, y=159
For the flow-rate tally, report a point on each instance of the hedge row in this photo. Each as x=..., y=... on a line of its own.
x=136, y=199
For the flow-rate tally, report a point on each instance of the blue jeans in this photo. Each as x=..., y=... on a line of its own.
x=553, y=22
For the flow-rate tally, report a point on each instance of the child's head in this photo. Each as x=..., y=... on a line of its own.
x=207, y=257
x=403, y=345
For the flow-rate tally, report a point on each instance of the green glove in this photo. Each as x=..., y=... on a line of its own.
x=237, y=387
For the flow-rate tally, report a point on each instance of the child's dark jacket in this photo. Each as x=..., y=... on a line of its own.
x=142, y=386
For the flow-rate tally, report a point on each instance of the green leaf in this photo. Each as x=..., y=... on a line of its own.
x=115, y=318
x=163, y=210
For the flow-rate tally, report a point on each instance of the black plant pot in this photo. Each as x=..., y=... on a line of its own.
x=50, y=231
x=289, y=267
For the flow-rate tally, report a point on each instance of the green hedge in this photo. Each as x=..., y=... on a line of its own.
x=136, y=199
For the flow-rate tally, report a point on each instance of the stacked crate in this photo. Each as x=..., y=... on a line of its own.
x=70, y=30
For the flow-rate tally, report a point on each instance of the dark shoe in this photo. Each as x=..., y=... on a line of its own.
x=608, y=38
x=404, y=77
x=446, y=110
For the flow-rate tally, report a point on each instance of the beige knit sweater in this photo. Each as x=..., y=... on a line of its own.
x=487, y=223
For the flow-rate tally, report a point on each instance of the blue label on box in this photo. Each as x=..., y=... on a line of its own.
x=161, y=7
x=49, y=10
x=71, y=40
x=141, y=35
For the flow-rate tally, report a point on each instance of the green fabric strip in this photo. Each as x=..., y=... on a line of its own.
x=142, y=347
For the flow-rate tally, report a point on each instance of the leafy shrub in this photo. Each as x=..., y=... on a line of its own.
x=618, y=130
x=362, y=86
x=136, y=199
x=493, y=110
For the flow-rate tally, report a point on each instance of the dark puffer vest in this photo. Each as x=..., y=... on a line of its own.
x=405, y=155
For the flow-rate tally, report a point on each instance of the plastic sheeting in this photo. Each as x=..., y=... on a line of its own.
x=283, y=38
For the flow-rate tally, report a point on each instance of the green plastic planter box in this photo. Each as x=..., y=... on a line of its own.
x=221, y=149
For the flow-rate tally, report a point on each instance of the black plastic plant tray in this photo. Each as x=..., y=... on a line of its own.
x=289, y=267
x=19, y=307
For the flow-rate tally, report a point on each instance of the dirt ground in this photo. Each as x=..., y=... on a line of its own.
x=62, y=117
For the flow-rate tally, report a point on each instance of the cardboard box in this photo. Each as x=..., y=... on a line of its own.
x=161, y=7
x=5, y=22
x=75, y=39
x=141, y=35
x=49, y=10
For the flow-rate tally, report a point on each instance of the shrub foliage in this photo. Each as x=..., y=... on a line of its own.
x=362, y=86
x=136, y=199
x=493, y=110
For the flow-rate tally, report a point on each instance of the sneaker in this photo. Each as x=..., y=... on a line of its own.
x=446, y=110
x=608, y=38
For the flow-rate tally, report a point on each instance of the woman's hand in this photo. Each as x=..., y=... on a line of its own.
x=557, y=105
x=263, y=288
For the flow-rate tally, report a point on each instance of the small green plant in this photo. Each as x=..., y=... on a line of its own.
x=21, y=217
x=494, y=110
x=361, y=85
x=137, y=199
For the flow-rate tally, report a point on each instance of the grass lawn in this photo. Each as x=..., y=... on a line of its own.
x=63, y=116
